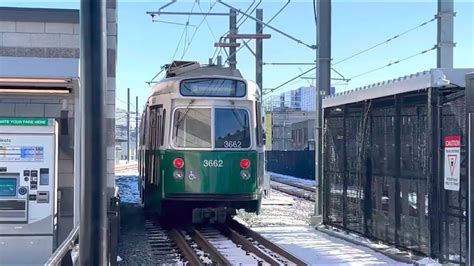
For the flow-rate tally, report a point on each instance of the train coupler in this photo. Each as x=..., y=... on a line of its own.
x=211, y=215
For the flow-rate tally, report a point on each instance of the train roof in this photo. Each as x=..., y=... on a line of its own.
x=188, y=70
x=432, y=78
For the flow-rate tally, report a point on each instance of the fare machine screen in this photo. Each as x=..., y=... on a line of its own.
x=28, y=179
x=8, y=186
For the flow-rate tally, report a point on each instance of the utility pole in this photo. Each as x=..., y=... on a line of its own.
x=128, y=125
x=232, y=40
x=136, y=128
x=470, y=161
x=259, y=52
x=323, y=85
x=93, y=229
x=445, y=37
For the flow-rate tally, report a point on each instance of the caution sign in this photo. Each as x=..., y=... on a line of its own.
x=452, y=162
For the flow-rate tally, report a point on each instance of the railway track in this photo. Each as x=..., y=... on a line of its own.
x=294, y=189
x=222, y=244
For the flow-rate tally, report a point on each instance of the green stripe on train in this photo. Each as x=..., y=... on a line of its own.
x=210, y=172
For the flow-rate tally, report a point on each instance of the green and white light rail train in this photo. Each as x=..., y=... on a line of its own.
x=201, y=144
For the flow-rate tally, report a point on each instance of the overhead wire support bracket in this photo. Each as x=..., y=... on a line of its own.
x=249, y=36
x=173, y=23
x=225, y=44
x=314, y=47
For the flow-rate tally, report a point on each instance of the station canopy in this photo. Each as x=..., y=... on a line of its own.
x=31, y=75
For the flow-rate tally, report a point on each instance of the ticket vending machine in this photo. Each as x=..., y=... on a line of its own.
x=28, y=186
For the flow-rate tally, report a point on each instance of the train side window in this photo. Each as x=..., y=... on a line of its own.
x=258, y=112
x=163, y=123
x=153, y=125
x=157, y=124
x=143, y=128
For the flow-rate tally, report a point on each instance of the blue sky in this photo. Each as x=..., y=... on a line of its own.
x=144, y=46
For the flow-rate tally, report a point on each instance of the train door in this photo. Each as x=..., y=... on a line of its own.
x=156, y=138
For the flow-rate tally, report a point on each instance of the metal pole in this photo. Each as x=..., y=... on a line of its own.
x=93, y=229
x=232, y=31
x=136, y=128
x=259, y=52
x=268, y=26
x=470, y=160
x=445, y=34
x=128, y=125
x=323, y=85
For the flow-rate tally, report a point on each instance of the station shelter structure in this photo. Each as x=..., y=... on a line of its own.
x=395, y=163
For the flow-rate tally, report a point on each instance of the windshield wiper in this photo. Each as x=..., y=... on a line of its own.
x=184, y=117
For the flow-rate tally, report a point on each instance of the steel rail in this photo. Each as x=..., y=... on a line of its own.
x=245, y=231
x=183, y=245
x=308, y=196
x=203, y=243
x=292, y=184
x=246, y=244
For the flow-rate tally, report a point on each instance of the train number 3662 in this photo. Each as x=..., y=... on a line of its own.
x=232, y=144
x=213, y=163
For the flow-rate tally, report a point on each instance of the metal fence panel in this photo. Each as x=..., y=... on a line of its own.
x=382, y=174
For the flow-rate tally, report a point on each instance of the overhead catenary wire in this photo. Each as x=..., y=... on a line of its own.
x=246, y=42
x=385, y=41
x=198, y=27
x=179, y=43
x=186, y=30
x=361, y=74
x=290, y=80
x=393, y=63
x=251, y=12
x=371, y=48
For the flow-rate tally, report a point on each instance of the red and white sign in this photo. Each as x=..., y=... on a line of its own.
x=452, y=162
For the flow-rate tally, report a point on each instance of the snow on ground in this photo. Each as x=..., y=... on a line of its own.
x=231, y=251
x=128, y=188
x=285, y=219
x=317, y=248
x=428, y=261
x=280, y=209
x=293, y=179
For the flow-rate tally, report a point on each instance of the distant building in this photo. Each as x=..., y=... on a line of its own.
x=282, y=136
x=121, y=135
x=308, y=98
x=292, y=99
x=302, y=135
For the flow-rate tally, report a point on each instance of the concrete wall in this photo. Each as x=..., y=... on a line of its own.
x=27, y=33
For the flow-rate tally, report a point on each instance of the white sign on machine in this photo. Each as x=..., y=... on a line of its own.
x=452, y=162
x=28, y=185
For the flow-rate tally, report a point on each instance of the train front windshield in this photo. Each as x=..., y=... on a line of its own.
x=192, y=128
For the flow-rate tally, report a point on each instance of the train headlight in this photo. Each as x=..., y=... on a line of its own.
x=178, y=174
x=245, y=174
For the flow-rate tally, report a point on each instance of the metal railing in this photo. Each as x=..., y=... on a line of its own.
x=62, y=255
